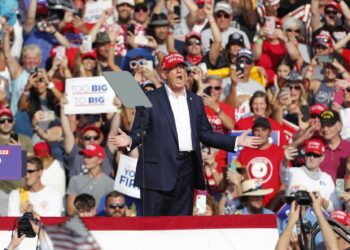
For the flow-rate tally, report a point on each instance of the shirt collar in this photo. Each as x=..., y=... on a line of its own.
x=171, y=93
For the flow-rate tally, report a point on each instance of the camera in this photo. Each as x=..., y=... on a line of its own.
x=34, y=70
x=303, y=198
x=24, y=226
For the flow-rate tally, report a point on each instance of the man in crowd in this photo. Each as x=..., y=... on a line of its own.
x=35, y=197
x=172, y=168
x=115, y=205
x=85, y=205
x=95, y=182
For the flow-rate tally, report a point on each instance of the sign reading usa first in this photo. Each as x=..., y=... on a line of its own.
x=10, y=162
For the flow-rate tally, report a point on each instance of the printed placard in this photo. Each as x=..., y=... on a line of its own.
x=10, y=162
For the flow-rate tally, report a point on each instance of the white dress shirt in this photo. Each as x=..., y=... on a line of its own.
x=181, y=113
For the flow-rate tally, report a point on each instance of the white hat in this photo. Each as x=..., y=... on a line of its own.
x=130, y=2
x=253, y=187
x=223, y=6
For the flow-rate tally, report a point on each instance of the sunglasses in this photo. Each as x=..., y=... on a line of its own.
x=314, y=116
x=200, y=6
x=134, y=64
x=190, y=43
x=331, y=12
x=116, y=205
x=291, y=30
x=347, y=89
x=9, y=120
x=88, y=138
x=245, y=61
x=313, y=155
x=347, y=190
x=30, y=171
x=217, y=88
x=141, y=8
x=218, y=15
x=296, y=87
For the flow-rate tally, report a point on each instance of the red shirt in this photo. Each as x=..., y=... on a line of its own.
x=215, y=120
x=265, y=165
x=247, y=123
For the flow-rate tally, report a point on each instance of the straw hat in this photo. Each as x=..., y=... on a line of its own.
x=253, y=187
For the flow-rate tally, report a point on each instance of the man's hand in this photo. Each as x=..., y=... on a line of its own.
x=290, y=153
x=294, y=212
x=15, y=241
x=316, y=201
x=121, y=140
x=248, y=141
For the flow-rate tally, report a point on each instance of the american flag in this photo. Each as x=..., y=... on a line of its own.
x=71, y=235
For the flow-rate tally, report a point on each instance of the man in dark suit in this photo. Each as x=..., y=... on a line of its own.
x=174, y=128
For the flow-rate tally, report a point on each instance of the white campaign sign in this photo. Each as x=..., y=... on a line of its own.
x=89, y=95
x=124, y=181
x=93, y=11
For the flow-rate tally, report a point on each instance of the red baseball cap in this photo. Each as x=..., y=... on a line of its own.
x=333, y=4
x=91, y=53
x=317, y=109
x=90, y=127
x=171, y=60
x=42, y=149
x=6, y=111
x=193, y=34
x=324, y=40
x=200, y=2
x=93, y=150
x=341, y=217
x=314, y=146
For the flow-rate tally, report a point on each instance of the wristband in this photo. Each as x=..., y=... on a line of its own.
x=51, y=85
x=218, y=111
x=119, y=110
x=259, y=41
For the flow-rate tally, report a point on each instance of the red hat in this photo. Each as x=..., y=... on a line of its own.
x=42, y=149
x=333, y=4
x=91, y=53
x=200, y=2
x=42, y=8
x=193, y=34
x=6, y=111
x=317, y=109
x=171, y=60
x=93, y=150
x=341, y=217
x=314, y=146
x=324, y=40
x=90, y=127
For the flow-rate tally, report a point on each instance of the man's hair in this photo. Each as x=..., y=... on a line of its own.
x=31, y=49
x=84, y=202
x=36, y=161
x=114, y=194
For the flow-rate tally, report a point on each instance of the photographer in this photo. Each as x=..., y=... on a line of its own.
x=310, y=174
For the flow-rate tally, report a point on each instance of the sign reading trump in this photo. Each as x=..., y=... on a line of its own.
x=89, y=95
x=124, y=182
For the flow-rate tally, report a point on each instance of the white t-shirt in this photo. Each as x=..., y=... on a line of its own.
x=55, y=177
x=345, y=130
x=47, y=202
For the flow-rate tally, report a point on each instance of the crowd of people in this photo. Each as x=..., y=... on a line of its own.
x=279, y=69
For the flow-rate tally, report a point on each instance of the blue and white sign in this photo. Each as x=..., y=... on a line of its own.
x=10, y=162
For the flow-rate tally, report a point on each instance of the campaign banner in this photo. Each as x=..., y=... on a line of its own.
x=124, y=181
x=93, y=11
x=10, y=162
x=289, y=130
x=89, y=95
x=273, y=139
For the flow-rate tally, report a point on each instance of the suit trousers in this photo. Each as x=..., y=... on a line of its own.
x=178, y=201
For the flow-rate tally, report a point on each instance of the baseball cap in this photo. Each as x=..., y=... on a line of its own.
x=333, y=4
x=171, y=60
x=329, y=117
x=223, y=6
x=314, y=146
x=340, y=216
x=90, y=127
x=235, y=38
x=6, y=111
x=247, y=53
x=262, y=122
x=317, y=109
x=42, y=8
x=129, y=2
x=42, y=149
x=200, y=2
x=193, y=34
x=93, y=150
x=324, y=40
x=91, y=53
x=102, y=37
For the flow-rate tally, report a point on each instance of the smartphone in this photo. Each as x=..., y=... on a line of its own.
x=240, y=67
x=34, y=70
x=201, y=202
x=203, y=68
x=234, y=165
x=141, y=40
x=207, y=91
x=270, y=24
x=177, y=11
x=304, y=109
x=79, y=13
x=131, y=28
x=325, y=59
x=87, y=43
x=339, y=186
x=148, y=64
x=14, y=136
x=60, y=52
x=49, y=115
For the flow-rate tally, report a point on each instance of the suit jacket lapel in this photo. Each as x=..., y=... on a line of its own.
x=164, y=103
